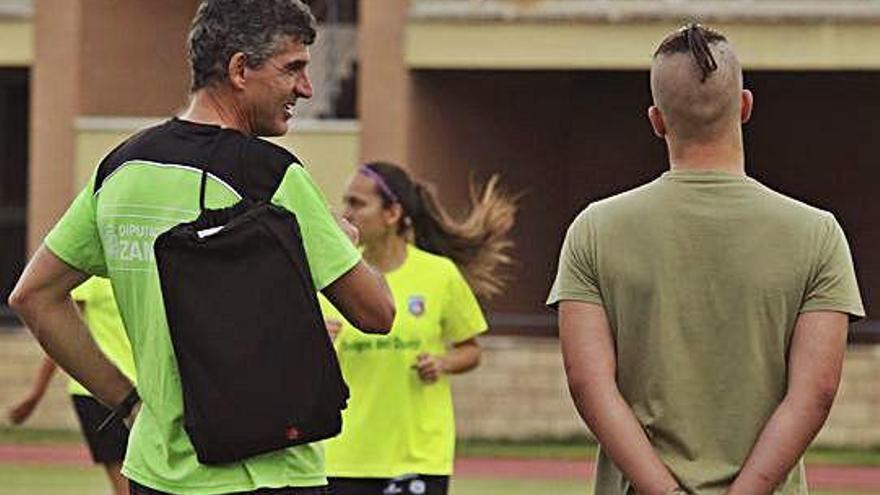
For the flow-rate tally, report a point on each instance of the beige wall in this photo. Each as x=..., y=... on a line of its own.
x=16, y=42
x=462, y=44
x=329, y=150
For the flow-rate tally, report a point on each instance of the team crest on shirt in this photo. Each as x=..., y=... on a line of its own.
x=416, y=305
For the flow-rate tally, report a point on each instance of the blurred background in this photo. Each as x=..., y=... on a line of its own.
x=551, y=94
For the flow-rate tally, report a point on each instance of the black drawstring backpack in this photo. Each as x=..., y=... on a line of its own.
x=257, y=367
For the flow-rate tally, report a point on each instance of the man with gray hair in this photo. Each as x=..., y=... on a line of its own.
x=702, y=316
x=249, y=63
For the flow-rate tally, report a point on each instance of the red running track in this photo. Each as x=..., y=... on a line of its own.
x=819, y=476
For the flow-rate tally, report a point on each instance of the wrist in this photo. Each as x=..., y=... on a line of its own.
x=443, y=365
x=122, y=410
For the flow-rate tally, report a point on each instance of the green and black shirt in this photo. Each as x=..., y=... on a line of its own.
x=142, y=188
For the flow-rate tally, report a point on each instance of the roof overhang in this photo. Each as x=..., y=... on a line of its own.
x=622, y=34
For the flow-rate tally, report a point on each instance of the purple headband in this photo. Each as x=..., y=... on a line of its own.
x=366, y=170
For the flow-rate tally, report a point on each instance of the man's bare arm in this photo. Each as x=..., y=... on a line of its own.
x=814, y=366
x=42, y=300
x=363, y=298
x=591, y=364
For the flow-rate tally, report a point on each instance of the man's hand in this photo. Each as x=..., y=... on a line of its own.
x=333, y=328
x=19, y=413
x=429, y=367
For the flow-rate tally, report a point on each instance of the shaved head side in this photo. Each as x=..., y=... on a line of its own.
x=696, y=83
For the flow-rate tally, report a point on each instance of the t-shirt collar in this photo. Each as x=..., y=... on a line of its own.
x=703, y=176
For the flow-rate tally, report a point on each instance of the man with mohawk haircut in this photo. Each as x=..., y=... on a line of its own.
x=702, y=316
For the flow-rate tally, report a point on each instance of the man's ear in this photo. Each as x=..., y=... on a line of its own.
x=657, y=122
x=236, y=69
x=748, y=102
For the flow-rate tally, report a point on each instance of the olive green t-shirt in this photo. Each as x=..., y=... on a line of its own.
x=702, y=276
x=142, y=188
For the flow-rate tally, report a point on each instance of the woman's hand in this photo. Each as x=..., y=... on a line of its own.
x=429, y=367
x=19, y=413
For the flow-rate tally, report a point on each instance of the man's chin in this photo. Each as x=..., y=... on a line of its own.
x=274, y=131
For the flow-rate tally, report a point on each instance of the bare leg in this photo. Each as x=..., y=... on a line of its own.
x=117, y=480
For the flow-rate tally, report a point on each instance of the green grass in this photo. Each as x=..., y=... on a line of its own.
x=34, y=436
x=869, y=456
x=52, y=480
x=570, y=448
x=584, y=448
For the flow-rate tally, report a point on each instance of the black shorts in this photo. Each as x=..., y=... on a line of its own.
x=107, y=447
x=136, y=489
x=414, y=484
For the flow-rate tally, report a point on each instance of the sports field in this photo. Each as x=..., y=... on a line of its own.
x=59, y=479
x=34, y=462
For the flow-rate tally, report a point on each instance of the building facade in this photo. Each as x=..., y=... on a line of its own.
x=551, y=94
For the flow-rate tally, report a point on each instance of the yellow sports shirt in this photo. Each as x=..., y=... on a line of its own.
x=105, y=324
x=395, y=423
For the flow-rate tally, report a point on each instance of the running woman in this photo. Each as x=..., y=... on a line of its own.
x=398, y=432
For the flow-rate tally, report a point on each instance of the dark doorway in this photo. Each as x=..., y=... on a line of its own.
x=14, y=131
x=569, y=138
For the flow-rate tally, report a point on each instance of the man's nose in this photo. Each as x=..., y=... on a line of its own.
x=304, y=87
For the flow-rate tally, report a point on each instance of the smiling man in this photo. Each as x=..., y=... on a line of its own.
x=249, y=63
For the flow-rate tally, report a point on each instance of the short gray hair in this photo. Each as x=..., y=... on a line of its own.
x=222, y=28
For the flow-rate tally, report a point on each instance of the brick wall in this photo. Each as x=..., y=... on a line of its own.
x=519, y=392
x=20, y=359
x=855, y=419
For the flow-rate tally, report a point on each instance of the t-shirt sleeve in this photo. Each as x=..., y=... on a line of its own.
x=76, y=239
x=329, y=251
x=462, y=317
x=576, y=277
x=832, y=285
